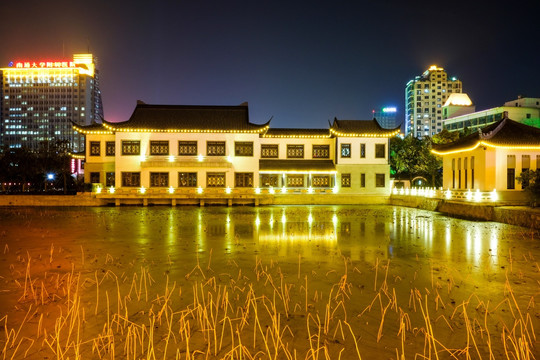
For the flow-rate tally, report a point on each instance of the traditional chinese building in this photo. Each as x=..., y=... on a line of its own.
x=178, y=151
x=491, y=158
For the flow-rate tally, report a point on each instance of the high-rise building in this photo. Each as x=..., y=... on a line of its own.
x=386, y=116
x=425, y=96
x=41, y=98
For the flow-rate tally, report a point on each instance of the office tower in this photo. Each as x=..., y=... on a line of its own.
x=386, y=116
x=424, y=97
x=40, y=99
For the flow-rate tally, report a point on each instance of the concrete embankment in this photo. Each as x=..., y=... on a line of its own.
x=50, y=200
x=513, y=215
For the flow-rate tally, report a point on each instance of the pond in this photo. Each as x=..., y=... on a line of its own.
x=288, y=282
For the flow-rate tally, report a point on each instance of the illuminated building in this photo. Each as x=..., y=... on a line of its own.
x=491, y=158
x=424, y=99
x=386, y=117
x=41, y=99
x=199, y=150
x=524, y=110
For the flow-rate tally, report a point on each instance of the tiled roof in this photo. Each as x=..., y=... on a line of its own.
x=188, y=117
x=284, y=132
x=296, y=165
x=505, y=132
x=361, y=127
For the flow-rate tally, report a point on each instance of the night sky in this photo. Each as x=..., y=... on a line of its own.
x=303, y=63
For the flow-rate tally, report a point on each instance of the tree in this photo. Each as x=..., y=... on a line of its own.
x=531, y=183
x=445, y=137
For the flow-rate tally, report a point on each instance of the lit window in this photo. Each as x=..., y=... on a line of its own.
x=215, y=148
x=295, y=151
x=321, y=151
x=345, y=150
x=243, y=179
x=243, y=148
x=269, y=151
x=345, y=180
x=187, y=179
x=187, y=148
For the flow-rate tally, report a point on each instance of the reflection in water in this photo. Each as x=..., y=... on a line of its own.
x=361, y=234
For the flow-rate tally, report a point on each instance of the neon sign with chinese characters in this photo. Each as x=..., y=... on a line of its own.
x=42, y=64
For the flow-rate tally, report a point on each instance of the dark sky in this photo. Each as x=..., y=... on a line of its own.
x=302, y=62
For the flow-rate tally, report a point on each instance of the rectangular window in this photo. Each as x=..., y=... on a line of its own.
x=269, y=151
x=295, y=180
x=131, y=179
x=159, y=147
x=110, y=148
x=187, y=148
x=159, y=179
x=95, y=148
x=243, y=179
x=269, y=180
x=110, y=179
x=320, y=181
x=380, y=151
x=187, y=179
x=363, y=180
x=321, y=151
x=345, y=180
x=94, y=178
x=243, y=148
x=131, y=147
x=295, y=151
x=465, y=167
x=215, y=148
x=345, y=150
x=362, y=151
x=215, y=179
x=510, y=179
x=453, y=173
x=525, y=166
x=379, y=180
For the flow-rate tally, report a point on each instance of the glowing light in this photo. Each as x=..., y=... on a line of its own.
x=257, y=190
x=98, y=190
x=477, y=195
x=171, y=158
x=414, y=192
x=407, y=191
x=468, y=195
x=310, y=219
x=199, y=190
x=389, y=110
x=228, y=190
x=334, y=219
x=335, y=189
x=460, y=99
x=142, y=189
x=386, y=134
x=200, y=157
x=448, y=194
x=395, y=191
x=111, y=190
x=494, y=196
x=171, y=190
x=283, y=218
x=50, y=176
x=402, y=192
x=310, y=190
x=143, y=157
x=283, y=190
x=487, y=144
x=257, y=221
x=229, y=158
x=271, y=190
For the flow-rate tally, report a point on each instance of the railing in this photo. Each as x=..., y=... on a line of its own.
x=199, y=191
x=461, y=195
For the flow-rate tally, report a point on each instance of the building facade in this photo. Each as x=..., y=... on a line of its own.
x=523, y=110
x=41, y=99
x=424, y=98
x=492, y=158
x=215, y=149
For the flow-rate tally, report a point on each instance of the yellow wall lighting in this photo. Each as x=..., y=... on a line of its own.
x=91, y=132
x=297, y=136
x=77, y=156
x=112, y=128
x=297, y=172
x=487, y=144
x=383, y=135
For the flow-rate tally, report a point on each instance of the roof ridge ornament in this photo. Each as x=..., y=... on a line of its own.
x=492, y=133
